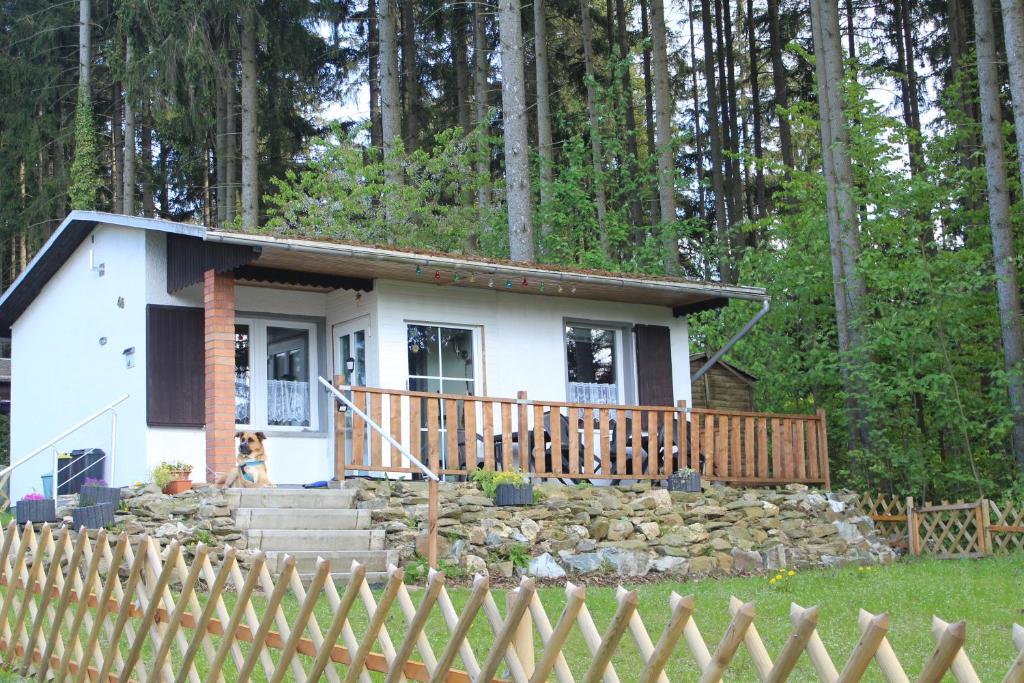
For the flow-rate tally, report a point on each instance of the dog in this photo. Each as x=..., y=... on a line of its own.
x=251, y=470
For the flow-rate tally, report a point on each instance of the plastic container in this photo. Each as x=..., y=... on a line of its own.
x=47, y=485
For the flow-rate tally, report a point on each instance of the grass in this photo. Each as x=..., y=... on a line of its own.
x=988, y=593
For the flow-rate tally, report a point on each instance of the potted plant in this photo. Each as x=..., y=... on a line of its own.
x=686, y=480
x=173, y=477
x=508, y=487
x=33, y=507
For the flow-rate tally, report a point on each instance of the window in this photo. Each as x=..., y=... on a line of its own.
x=274, y=374
x=592, y=358
x=441, y=359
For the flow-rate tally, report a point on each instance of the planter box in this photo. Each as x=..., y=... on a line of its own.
x=510, y=494
x=94, y=495
x=36, y=511
x=93, y=516
x=688, y=482
x=177, y=486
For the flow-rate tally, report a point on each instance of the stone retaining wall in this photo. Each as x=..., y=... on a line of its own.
x=631, y=531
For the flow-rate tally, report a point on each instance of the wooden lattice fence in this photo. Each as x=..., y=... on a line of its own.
x=949, y=530
x=73, y=608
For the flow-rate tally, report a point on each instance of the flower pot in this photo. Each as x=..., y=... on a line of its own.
x=36, y=511
x=510, y=494
x=94, y=495
x=176, y=486
x=688, y=482
x=93, y=516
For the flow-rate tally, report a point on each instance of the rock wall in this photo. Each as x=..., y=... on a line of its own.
x=631, y=531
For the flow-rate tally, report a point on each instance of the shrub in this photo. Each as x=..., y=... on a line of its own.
x=489, y=480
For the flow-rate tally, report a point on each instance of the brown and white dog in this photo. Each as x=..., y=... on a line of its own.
x=251, y=470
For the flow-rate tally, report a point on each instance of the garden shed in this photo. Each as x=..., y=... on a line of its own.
x=724, y=386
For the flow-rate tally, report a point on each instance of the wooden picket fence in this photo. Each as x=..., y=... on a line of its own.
x=948, y=530
x=74, y=608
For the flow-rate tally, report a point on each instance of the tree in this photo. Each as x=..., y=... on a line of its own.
x=250, y=163
x=663, y=136
x=85, y=168
x=544, y=144
x=1003, y=252
x=128, y=191
x=587, y=31
x=721, y=219
x=481, y=76
x=513, y=106
x=390, y=99
x=1013, y=31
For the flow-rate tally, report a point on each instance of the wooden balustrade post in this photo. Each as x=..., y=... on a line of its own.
x=339, y=433
x=524, y=432
x=823, y=448
x=681, y=441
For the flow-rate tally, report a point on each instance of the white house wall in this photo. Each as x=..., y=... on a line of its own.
x=523, y=335
x=63, y=373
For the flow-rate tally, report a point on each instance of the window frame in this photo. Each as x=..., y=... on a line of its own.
x=624, y=370
x=258, y=356
x=477, y=333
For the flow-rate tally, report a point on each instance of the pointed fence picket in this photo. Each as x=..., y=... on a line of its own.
x=75, y=608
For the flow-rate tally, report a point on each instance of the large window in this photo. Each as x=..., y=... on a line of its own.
x=274, y=374
x=441, y=359
x=592, y=358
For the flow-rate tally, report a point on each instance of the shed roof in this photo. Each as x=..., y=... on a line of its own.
x=703, y=358
x=333, y=257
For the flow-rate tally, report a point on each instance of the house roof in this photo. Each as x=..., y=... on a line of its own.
x=287, y=255
x=703, y=358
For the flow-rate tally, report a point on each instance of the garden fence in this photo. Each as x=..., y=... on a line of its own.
x=73, y=608
x=948, y=530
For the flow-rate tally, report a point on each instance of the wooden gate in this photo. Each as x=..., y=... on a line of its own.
x=952, y=530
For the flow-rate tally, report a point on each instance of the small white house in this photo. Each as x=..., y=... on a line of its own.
x=196, y=333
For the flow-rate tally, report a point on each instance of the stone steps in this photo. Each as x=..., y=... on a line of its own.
x=311, y=523
x=302, y=518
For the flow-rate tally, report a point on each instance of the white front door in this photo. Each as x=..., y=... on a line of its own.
x=350, y=362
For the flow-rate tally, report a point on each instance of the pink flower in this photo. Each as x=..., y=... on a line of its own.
x=33, y=496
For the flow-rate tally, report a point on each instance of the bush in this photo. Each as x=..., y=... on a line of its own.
x=489, y=480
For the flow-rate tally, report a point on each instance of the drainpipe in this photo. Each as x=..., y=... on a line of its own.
x=732, y=342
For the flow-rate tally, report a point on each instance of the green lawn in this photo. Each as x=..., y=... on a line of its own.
x=988, y=593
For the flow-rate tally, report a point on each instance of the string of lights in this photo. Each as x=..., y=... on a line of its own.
x=444, y=276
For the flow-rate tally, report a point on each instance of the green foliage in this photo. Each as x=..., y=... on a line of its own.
x=489, y=480
x=417, y=569
x=518, y=554
x=85, y=181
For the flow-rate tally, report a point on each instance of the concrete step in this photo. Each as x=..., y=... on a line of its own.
x=301, y=518
x=315, y=540
x=342, y=579
x=323, y=499
x=341, y=560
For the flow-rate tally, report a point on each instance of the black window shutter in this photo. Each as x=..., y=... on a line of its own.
x=175, y=367
x=654, y=365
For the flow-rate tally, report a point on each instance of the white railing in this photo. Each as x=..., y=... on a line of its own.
x=5, y=473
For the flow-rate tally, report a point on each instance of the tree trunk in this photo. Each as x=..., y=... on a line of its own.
x=165, y=211
x=851, y=35
x=117, y=146
x=481, y=71
x=410, y=84
x=736, y=178
x=779, y=83
x=755, y=102
x=373, y=72
x=635, y=204
x=725, y=269
x=645, y=35
x=513, y=105
x=84, y=42
x=597, y=153
x=128, y=191
x=1013, y=32
x=221, y=157
x=146, y=140
x=663, y=128
x=458, y=20
x=544, y=144
x=1003, y=251
x=726, y=129
x=698, y=140
x=250, y=163
x=230, y=144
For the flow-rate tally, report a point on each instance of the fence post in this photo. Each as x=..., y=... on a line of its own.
x=522, y=639
x=524, y=432
x=682, y=437
x=912, y=539
x=823, y=448
x=982, y=517
x=432, y=514
x=339, y=433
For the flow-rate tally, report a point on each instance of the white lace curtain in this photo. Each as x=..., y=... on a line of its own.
x=592, y=392
x=287, y=403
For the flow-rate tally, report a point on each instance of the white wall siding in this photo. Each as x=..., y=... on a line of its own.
x=62, y=373
x=523, y=335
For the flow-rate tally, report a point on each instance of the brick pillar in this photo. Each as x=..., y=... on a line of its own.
x=219, y=307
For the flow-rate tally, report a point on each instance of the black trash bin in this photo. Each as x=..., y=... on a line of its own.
x=84, y=463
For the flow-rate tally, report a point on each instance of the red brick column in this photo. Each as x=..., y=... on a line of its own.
x=219, y=307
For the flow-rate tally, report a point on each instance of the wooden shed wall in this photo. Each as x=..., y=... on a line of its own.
x=726, y=389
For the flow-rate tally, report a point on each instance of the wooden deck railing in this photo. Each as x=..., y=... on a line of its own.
x=455, y=434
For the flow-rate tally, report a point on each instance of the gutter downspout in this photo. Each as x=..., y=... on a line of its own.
x=732, y=342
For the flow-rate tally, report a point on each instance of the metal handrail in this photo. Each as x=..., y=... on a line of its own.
x=376, y=427
x=6, y=472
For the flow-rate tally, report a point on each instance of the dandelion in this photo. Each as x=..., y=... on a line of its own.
x=792, y=573
x=772, y=582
